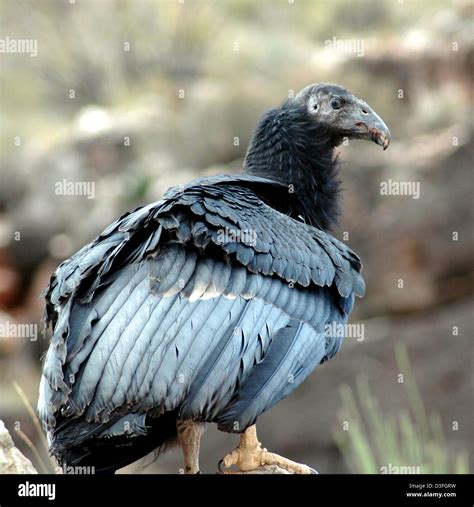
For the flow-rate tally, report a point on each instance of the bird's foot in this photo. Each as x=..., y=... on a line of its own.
x=251, y=456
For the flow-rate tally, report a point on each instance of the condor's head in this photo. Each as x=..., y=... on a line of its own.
x=343, y=114
x=305, y=129
x=294, y=145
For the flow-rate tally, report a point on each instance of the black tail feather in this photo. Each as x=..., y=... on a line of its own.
x=107, y=454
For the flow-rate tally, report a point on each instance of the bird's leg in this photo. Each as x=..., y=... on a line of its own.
x=250, y=455
x=189, y=436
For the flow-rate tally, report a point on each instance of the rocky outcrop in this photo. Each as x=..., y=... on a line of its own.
x=12, y=460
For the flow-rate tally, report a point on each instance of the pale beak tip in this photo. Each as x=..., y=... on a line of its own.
x=383, y=139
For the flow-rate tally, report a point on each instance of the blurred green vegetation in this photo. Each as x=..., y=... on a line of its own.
x=411, y=441
x=111, y=53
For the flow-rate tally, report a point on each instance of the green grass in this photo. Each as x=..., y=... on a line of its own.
x=373, y=441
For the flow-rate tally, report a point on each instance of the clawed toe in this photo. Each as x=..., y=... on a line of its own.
x=251, y=456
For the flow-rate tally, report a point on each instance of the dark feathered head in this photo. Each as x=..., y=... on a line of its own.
x=294, y=145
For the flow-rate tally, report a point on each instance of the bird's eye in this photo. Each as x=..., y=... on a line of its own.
x=315, y=107
x=336, y=103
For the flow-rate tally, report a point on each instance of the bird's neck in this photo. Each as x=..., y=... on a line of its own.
x=290, y=148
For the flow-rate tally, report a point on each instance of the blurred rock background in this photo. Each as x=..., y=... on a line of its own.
x=138, y=96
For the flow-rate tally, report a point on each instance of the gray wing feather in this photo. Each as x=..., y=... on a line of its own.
x=145, y=321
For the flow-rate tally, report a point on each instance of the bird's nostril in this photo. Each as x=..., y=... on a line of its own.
x=364, y=111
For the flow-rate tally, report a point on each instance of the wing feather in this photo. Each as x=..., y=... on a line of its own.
x=159, y=313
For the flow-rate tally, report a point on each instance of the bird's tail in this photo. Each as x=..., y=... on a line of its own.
x=104, y=448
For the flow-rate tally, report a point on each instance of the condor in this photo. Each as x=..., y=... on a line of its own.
x=210, y=305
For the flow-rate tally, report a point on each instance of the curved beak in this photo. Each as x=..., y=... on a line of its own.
x=367, y=124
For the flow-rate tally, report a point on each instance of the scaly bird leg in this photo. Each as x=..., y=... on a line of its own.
x=250, y=455
x=189, y=436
